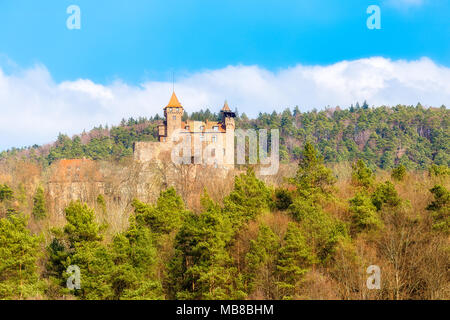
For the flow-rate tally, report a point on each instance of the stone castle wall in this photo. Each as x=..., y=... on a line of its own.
x=145, y=151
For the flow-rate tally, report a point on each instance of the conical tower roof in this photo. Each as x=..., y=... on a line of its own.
x=226, y=107
x=174, y=103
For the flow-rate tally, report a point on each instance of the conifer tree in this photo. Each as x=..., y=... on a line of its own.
x=312, y=177
x=261, y=263
x=399, y=173
x=81, y=225
x=294, y=261
x=78, y=243
x=249, y=197
x=19, y=251
x=364, y=213
x=385, y=194
x=39, y=207
x=321, y=230
x=362, y=175
x=440, y=208
x=166, y=216
x=314, y=182
x=5, y=193
x=134, y=256
x=202, y=268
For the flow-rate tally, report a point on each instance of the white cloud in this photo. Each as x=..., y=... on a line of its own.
x=34, y=109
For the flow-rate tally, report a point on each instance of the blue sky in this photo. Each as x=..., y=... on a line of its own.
x=259, y=55
x=141, y=40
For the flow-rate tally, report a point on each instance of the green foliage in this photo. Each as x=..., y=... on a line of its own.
x=339, y=135
x=320, y=229
x=440, y=208
x=95, y=263
x=123, y=270
x=371, y=134
x=385, y=194
x=362, y=175
x=101, y=203
x=5, y=193
x=102, y=143
x=312, y=176
x=81, y=225
x=439, y=171
x=399, y=173
x=19, y=251
x=249, y=197
x=166, y=216
x=78, y=243
x=134, y=257
x=295, y=259
x=261, y=262
x=39, y=208
x=22, y=195
x=202, y=267
x=314, y=183
x=283, y=198
x=364, y=213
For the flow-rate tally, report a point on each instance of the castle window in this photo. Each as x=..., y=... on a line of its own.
x=187, y=127
x=202, y=128
x=214, y=138
x=216, y=128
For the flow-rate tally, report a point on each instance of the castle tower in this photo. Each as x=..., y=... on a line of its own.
x=228, y=119
x=173, y=113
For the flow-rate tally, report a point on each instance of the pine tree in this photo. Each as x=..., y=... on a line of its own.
x=79, y=244
x=249, y=197
x=399, y=173
x=202, y=268
x=283, y=198
x=364, y=213
x=19, y=251
x=81, y=225
x=134, y=256
x=295, y=260
x=321, y=230
x=166, y=216
x=312, y=177
x=5, y=193
x=95, y=263
x=440, y=208
x=39, y=208
x=362, y=175
x=261, y=263
x=385, y=194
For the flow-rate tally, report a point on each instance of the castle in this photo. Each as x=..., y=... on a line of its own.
x=210, y=142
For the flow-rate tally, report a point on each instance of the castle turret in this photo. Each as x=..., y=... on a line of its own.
x=228, y=119
x=173, y=112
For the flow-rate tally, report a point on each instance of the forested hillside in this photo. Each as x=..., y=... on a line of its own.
x=358, y=187
x=310, y=237
x=383, y=137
